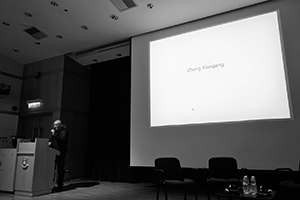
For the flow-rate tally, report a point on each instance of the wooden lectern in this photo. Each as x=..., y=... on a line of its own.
x=35, y=168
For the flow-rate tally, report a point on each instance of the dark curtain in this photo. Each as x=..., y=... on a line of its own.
x=109, y=144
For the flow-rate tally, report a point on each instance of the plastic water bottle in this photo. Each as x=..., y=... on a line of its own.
x=253, y=186
x=246, y=186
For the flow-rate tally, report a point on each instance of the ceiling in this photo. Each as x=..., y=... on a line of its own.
x=91, y=31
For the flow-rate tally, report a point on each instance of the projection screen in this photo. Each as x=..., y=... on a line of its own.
x=229, y=72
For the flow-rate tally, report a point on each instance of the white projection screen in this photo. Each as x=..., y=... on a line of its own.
x=216, y=87
x=229, y=72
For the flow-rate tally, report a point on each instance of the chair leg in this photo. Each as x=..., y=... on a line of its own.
x=196, y=196
x=157, y=195
x=208, y=191
x=166, y=195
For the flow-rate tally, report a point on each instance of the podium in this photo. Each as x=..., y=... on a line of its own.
x=35, y=166
x=7, y=169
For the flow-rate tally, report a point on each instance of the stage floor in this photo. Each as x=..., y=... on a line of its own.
x=94, y=190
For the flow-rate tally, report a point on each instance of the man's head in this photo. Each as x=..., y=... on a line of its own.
x=57, y=124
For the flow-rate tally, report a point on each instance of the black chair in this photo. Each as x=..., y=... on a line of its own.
x=222, y=172
x=169, y=174
x=289, y=189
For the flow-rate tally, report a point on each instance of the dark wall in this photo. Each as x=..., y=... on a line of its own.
x=42, y=80
x=74, y=113
x=63, y=85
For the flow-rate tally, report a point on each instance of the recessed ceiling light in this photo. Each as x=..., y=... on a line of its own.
x=84, y=27
x=54, y=3
x=150, y=5
x=28, y=14
x=5, y=23
x=114, y=17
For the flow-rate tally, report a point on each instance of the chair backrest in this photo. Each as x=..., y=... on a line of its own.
x=223, y=167
x=171, y=167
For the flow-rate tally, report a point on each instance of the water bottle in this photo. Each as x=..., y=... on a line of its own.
x=253, y=186
x=246, y=186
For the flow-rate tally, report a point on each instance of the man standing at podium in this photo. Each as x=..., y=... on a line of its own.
x=58, y=140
